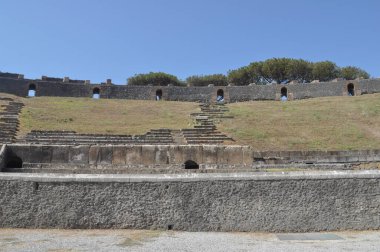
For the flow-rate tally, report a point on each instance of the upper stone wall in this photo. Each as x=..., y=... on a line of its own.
x=66, y=87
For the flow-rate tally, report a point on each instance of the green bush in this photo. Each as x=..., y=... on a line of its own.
x=351, y=73
x=155, y=79
x=205, y=80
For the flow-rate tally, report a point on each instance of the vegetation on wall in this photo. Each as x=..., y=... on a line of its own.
x=155, y=79
x=284, y=70
x=205, y=80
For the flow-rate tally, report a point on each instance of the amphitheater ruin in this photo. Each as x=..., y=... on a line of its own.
x=194, y=179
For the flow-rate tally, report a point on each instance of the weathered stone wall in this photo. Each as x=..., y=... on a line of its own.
x=295, y=202
x=46, y=87
x=147, y=156
x=174, y=156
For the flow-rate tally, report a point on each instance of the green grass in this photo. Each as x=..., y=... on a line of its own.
x=104, y=116
x=330, y=123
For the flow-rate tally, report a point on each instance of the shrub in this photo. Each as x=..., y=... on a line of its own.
x=205, y=80
x=155, y=79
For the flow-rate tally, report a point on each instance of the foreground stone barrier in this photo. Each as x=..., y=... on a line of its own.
x=272, y=202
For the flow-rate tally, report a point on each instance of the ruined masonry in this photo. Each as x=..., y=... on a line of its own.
x=192, y=179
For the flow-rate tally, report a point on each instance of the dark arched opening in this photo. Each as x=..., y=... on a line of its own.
x=32, y=90
x=220, y=95
x=284, y=94
x=190, y=164
x=351, y=89
x=14, y=162
x=96, y=93
x=158, y=94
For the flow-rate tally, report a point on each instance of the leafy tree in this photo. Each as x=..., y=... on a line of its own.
x=205, y=80
x=276, y=70
x=239, y=77
x=325, y=71
x=351, y=73
x=255, y=72
x=300, y=70
x=155, y=79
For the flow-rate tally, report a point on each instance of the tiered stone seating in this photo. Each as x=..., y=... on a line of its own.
x=160, y=136
x=205, y=132
x=9, y=119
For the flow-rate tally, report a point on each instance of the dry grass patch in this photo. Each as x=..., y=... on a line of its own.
x=103, y=116
x=329, y=123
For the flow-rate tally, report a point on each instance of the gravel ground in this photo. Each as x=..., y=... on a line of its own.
x=146, y=240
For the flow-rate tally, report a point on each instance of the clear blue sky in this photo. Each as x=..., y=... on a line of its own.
x=100, y=39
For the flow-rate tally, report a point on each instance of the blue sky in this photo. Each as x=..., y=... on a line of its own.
x=100, y=39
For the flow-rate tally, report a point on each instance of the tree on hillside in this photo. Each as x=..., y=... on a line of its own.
x=325, y=71
x=204, y=80
x=239, y=77
x=300, y=70
x=155, y=79
x=276, y=70
x=351, y=73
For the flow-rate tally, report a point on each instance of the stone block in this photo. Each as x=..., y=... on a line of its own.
x=105, y=155
x=40, y=154
x=94, y=155
x=175, y=154
x=210, y=154
x=148, y=154
x=247, y=155
x=161, y=155
x=192, y=152
x=79, y=154
x=21, y=151
x=60, y=154
x=119, y=155
x=133, y=154
x=233, y=154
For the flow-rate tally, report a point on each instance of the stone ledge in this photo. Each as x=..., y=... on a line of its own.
x=194, y=177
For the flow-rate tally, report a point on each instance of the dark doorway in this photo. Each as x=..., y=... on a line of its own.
x=158, y=94
x=14, y=162
x=96, y=93
x=32, y=90
x=351, y=89
x=220, y=95
x=284, y=94
x=190, y=164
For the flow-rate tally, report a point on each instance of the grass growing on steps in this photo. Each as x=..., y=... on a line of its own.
x=328, y=123
x=104, y=116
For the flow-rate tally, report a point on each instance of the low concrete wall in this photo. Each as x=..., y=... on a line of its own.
x=276, y=202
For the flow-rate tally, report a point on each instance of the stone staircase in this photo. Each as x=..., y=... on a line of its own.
x=9, y=121
x=158, y=136
x=205, y=130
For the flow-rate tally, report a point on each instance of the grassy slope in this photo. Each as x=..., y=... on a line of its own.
x=86, y=115
x=329, y=123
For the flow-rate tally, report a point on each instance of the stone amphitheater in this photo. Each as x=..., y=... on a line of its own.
x=193, y=179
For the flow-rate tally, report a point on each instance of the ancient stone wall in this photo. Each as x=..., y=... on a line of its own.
x=174, y=156
x=65, y=88
x=293, y=202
